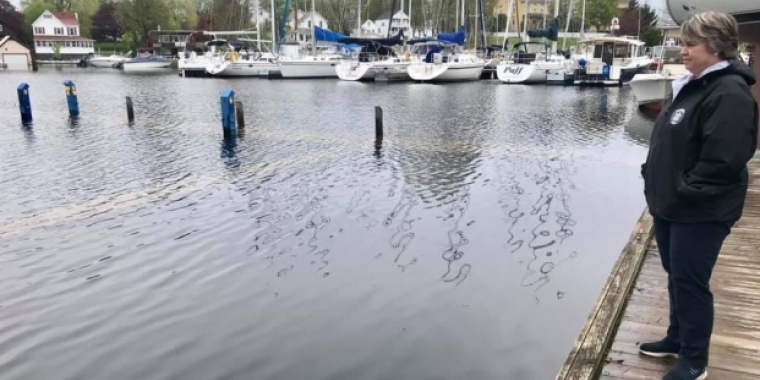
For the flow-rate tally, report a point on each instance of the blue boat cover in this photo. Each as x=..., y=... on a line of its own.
x=327, y=35
x=551, y=33
x=457, y=38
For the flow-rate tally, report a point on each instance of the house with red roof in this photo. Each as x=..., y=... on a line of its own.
x=60, y=29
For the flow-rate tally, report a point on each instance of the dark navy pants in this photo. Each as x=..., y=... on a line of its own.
x=689, y=252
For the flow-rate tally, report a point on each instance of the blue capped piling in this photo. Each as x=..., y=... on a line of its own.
x=24, y=103
x=227, y=101
x=71, y=98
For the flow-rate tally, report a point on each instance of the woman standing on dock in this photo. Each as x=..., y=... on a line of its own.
x=695, y=181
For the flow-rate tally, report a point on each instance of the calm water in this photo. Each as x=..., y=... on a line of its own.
x=472, y=245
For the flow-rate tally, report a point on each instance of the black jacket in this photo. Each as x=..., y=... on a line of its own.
x=701, y=142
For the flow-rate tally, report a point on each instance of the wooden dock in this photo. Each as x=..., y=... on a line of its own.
x=633, y=307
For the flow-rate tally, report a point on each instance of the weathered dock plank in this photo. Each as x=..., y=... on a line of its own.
x=587, y=354
x=607, y=348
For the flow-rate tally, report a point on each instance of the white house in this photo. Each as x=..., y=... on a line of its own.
x=370, y=29
x=60, y=29
x=301, y=31
x=400, y=22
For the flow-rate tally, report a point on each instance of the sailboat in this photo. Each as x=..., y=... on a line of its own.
x=375, y=58
x=319, y=63
x=244, y=60
x=443, y=59
x=532, y=62
x=295, y=64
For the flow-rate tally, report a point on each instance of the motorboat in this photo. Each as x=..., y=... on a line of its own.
x=146, y=63
x=99, y=61
x=651, y=89
x=609, y=61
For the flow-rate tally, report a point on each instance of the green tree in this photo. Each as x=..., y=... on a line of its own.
x=138, y=17
x=640, y=21
x=231, y=15
x=34, y=9
x=599, y=13
x=184, y=14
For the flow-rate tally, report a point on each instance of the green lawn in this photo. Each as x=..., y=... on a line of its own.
x=106, y=48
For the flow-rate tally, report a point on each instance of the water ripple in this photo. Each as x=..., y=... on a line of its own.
x=158, y=250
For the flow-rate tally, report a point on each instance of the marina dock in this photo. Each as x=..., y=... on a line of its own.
x=633, y=307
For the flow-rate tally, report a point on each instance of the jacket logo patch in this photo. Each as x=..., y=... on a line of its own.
x=677, y=116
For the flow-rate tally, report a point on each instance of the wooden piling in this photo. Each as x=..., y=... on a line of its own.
x=378, y=123
x=130, y=110
x=240, y=114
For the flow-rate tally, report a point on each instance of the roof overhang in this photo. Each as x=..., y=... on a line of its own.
x=745, y=11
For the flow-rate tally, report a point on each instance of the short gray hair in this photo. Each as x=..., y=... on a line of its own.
x=718, y=31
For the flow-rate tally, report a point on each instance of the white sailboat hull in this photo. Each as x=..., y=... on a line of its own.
x=248, y=69
x=355, y=71
x=198, y=65
x=392, y=71
x=522, y=73
x=373, y=71
x=445, y=72
x=308, y=69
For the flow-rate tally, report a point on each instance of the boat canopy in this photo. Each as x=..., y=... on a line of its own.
x=327, y=35
x=217, y=42
x=395, y=40
x=551, y=33
x=456, y=37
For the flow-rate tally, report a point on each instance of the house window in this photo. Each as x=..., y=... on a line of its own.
x=39, y=30
x=72, y=31
x=68, y=44
x=47, y=16
x=309, y=25
x=58, y=31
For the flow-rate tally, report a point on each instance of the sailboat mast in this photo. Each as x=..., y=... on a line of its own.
x=390, y=18
x=556, y=16
x=258, y=30
x=411, y=30
x=545, y=10
x=359, y=18
x=567, y=24
x=506, y=29
x=456, y=7
x=583, y=19
x=271, y=18
x=313, y=29
x=525, y=21
x=464, y=21
x=481, y=17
